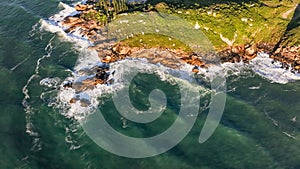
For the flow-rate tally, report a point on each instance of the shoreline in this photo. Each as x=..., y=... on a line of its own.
x=288, y=56
x=108, y=52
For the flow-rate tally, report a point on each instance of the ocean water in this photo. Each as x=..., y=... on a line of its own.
x=259, y=128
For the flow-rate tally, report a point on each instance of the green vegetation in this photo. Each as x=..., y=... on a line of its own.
x=236, y=21
x=111, y=7
x=239, y=21
x=156, y=41
x=292, y=36
x=99, y=17
x=105, y=11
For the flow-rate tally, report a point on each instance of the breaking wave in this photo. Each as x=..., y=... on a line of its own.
x=262, y=65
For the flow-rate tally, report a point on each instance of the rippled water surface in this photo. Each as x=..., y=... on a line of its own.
x=259, y=128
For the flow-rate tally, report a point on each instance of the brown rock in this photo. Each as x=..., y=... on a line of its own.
x=252, y=50
x=278, y=50
x=195, y=69
x=264, y=47
x=289, y=56
x=297, y=61
x=106, y=59
x=238, y=49
x=125, y=50
x=99, y=81
x=167, y=62
x=72, y=21
x=197, y=62
x=82, y=7
x=87, y=84
x=236, y=59
x=73, y=100
x=297, y=67
x=157, y=59
x=161, y=5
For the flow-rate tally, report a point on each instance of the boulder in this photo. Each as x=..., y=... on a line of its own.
x=106, y=59
x=297, y=67
x=72, y=21
x=238, y=49
x=73, y=100
x=195, y=69
x=250, y=51
x=82, y=7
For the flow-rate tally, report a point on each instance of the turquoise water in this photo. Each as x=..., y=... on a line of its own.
x=258, y=128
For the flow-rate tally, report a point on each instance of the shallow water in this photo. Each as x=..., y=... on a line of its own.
x=259, y=127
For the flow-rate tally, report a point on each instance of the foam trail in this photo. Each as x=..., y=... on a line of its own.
x=27, y=107
x=50, y=25
x=19, y=64
x=122, y=68
x=89, y=58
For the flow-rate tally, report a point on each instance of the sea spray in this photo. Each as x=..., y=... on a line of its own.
x=263, y=66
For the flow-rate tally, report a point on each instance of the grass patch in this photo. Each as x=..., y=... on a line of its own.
x=251, y=21
x=156, y=41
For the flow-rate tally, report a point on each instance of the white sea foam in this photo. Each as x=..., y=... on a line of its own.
x=53, y=25
x=263, y=66
x=67, y=11
x=88, y=59
x=28, y=109
x=79, y=41
x=122, y=69
x=50, y=82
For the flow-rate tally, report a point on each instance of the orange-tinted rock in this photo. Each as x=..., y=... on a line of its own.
x=265, y=47
x=238, y=49
x=157, y=60
x=195, y=69
x=99, y=81
x=297, y=67
x=125, y=50
x=73, y=100
x=106, y=59
x=197, y=62
x=297, y=61
x=81, y=7
x=72, y=21
x=250, y=51
x=289, y=56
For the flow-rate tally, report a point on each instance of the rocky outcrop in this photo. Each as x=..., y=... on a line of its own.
x=287, y=50
x=83, y=7
x=166, y=57
x=109, y=51
x=90, y=78
x=244, y=53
